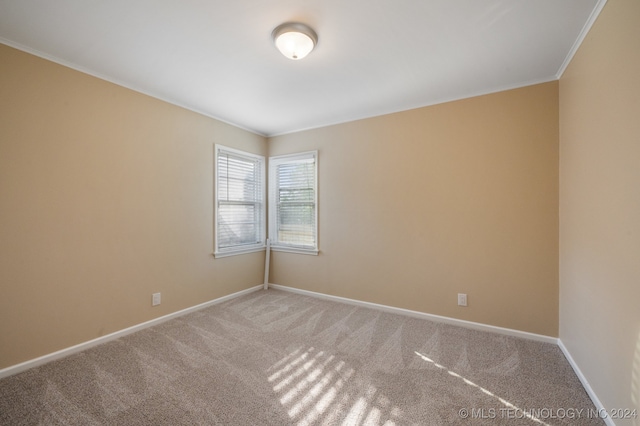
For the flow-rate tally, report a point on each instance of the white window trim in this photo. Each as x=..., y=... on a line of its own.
x=249, y=248
x=274, y=244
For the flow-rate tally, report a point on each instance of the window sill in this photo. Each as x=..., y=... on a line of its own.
x=228, y=253
x=312, y=252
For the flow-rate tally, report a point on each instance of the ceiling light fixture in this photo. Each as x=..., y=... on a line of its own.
x=294, y=40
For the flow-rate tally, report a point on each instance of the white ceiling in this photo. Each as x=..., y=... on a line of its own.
x=373, y=56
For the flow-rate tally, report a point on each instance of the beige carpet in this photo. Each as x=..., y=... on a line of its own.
x=278, y=358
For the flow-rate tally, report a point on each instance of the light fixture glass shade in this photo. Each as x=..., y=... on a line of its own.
x=294, y=40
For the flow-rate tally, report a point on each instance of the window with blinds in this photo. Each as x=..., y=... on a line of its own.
x=293, y=207
x=240, y=209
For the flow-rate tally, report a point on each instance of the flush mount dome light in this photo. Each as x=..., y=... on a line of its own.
x=294, y=40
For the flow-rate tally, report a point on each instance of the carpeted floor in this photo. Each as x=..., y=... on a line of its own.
x=278, y=358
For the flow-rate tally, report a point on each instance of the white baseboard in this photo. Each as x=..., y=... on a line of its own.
x=18, y=368
x=585, y=384
x=422, y=315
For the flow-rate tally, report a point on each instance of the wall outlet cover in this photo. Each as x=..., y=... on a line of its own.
x=462, y=299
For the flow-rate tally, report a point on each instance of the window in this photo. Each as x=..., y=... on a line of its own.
x=293, y=206
x=240, y=208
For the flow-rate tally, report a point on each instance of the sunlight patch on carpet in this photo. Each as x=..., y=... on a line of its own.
x=315, y=386
x=506, y=403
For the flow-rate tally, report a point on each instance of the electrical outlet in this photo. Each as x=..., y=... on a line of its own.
x=462, y=299
x=155, y=299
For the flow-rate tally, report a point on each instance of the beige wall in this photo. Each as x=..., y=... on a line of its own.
x=105, y=198
x=418, y=206
x=600, y=206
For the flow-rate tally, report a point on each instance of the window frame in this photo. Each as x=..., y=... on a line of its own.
x=274, y=243
x=262, y=218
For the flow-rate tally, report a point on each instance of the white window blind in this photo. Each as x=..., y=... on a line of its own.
x=293, y=203
x=240, y=211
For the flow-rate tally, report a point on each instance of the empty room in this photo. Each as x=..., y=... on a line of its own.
x=319, y=212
